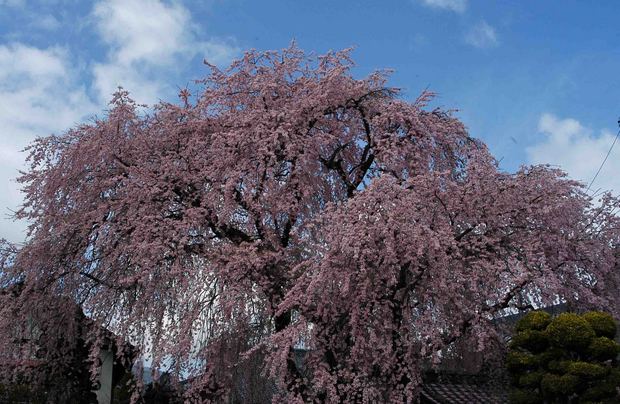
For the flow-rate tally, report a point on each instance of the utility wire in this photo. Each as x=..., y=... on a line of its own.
x=606, y=157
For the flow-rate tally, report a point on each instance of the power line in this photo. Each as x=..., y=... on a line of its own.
x=606, y=157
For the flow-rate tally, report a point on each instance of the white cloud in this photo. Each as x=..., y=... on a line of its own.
x=109, y=76
x=458, y=6
x=142, y=30
x=482, y=35
x=42, y=92
x=19, y=61
x=575, y=149
x=39, y=95
x=146, y=38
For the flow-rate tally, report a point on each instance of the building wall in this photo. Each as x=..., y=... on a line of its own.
x=104, y=393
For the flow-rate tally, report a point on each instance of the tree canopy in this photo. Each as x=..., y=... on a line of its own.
x=288, y=204
x=567, y=359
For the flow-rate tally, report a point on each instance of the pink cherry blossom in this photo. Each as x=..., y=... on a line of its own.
x=290, y=204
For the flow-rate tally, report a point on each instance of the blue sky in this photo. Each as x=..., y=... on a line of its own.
x=536, y=80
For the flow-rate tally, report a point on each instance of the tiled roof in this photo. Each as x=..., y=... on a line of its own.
x=463, y=388
x=463, y=393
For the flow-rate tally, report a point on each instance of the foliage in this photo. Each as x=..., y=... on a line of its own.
x=603, y=348
x=161, y=392
x=286, y=204
x=602, y=323
x=53, y=341
x=570, y=331
x=572, y=359
x=17, y=393
x=534, y=321
x=124, y=388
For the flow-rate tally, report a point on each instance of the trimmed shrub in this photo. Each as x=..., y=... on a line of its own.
x=560, y=367
x=605, y=391
x=519, y=361
x=556, y=386
x=569, y=330
x=567, y=359
x=531, y=379
x=587, y=371
x=603, y=349
x=533, y=340
x=524, y=396
x=534, y=320
x=602, y=323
